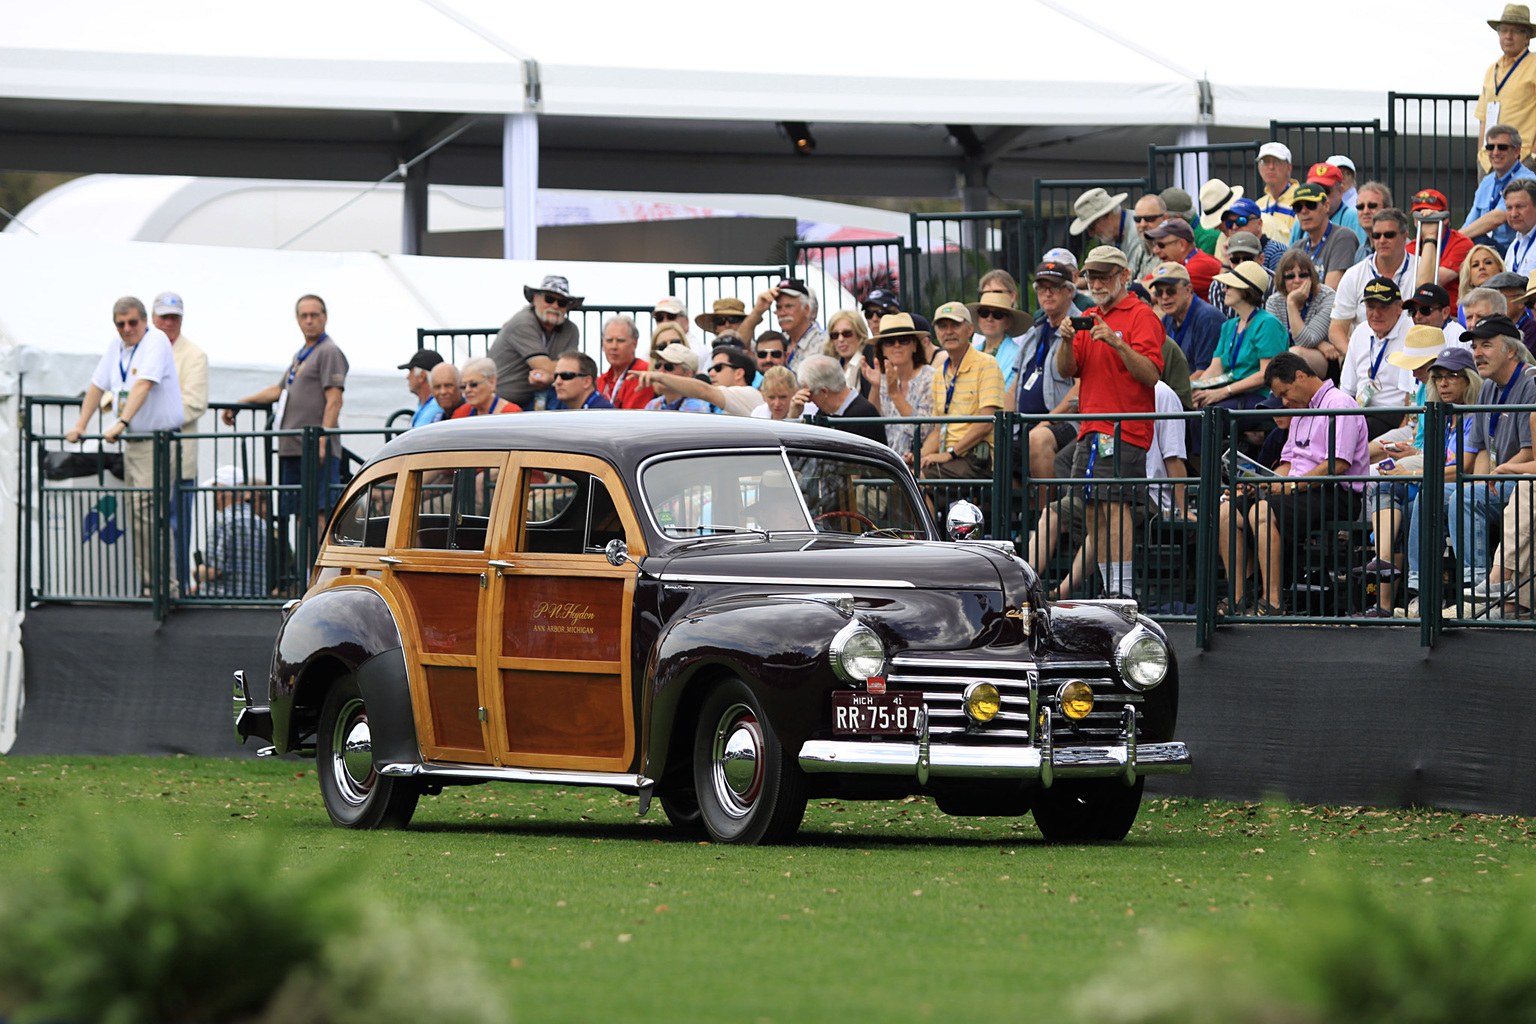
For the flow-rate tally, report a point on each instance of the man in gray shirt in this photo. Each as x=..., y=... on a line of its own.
x=1471, y=508
x=526, y=347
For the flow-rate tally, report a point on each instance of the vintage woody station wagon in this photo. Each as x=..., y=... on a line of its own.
x=732, y=615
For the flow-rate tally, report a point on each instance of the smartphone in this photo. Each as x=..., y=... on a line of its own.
x=1082, y=323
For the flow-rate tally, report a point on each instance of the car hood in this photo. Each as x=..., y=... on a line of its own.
x=828, y=561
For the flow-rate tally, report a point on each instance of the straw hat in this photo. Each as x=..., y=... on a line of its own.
x=722, y=307
x=1215, y=197
x=1019, y=321
x=1514, y=14
x=1421, y=347
x=1246, y=275
x=1092, y=205
x=897, y=325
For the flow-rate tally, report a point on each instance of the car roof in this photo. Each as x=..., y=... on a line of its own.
x=624, y=438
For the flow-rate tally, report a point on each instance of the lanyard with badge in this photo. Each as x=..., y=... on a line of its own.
x=1494, y=417
x=1369, y=389
x=123, y=369
x=293, y=372
x=949, y=383
x=1040, y=348
x=1312, y=253
x=612, y=392
x=1518, y=254
x=1492, y=111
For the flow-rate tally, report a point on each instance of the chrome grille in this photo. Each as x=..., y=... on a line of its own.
x=943, y=682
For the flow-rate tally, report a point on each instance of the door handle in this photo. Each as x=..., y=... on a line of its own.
x=391, y=560
x=499, y=566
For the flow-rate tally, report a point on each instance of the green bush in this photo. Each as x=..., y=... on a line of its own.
x=1342, y=954
x=138, y=927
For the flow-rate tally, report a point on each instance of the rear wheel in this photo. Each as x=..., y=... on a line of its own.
x=1087, y=810
x=355, y=795
x=749, y=788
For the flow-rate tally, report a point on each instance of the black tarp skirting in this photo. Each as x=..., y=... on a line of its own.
x=1320, y=714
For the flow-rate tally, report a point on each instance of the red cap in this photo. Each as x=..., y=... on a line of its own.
x=1324, y=174
x=1429, y=199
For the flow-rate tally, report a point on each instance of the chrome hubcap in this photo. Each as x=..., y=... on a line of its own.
x=736, y=766
x=352, y=753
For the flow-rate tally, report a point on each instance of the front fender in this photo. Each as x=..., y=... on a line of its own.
x=777, y=645
x=342, y=630
x=1093, y=631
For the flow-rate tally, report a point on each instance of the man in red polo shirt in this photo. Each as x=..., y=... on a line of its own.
x=1174, y=242
x=620, y=338
x=1431, y=213
x=1117, y=365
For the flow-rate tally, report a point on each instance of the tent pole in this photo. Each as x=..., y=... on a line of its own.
x=413, y=222
x=520, y=186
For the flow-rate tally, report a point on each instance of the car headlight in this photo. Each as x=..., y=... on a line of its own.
x=1142, y=659
x=857, y=652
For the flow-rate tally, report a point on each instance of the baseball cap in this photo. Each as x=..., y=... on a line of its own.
x=424, y=359
x=794, y=286
x=1278, y=150
x=168, y=304
x=1243, y=208
x=1381, y=289
x=952, y=311
x=1173, y=226
x=1455, y=359
x=1169, y=271
x=1179, y=202
x=1341, y=160
x=1105, y=257
x=1324, y=174
x=679, y=354
x=1242, y=241
x=882, y=297
x=1429, y=199
x=1055, y=270
x=1311, y=192
x=225, y=476
x=1059, y=255
x=671, y=304
x=1492, y=327
x=1429, y=294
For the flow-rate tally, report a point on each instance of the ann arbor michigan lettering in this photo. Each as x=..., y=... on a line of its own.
x=562, y=617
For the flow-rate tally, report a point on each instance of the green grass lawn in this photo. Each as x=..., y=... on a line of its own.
x=882, y=911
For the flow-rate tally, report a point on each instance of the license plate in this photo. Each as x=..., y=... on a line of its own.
x=876, y=714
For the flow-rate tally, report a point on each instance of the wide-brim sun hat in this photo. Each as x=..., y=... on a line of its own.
x=1216, y=197
x=1421, y=346
x=898, y=325
x=555, y=285
x=1246, y=275
x=1092, y=205
x=722, y=307
x=1019, y=321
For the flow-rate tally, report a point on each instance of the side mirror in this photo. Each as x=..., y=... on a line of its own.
x=964, y=521
x=616, y=551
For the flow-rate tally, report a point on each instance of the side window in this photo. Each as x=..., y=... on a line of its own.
x=453, y=508
x=568, y=512
x=364, y=522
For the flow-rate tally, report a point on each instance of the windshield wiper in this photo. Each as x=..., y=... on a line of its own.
x=718, y=529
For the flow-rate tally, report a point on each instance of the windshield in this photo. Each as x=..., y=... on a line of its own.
x=759, y=492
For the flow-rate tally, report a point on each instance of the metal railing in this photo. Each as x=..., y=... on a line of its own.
x=698, y=289
x=89, y=537
x=1432, y=143
x=1314, y=142
x=859, y=266
x=1233, y=162
x=953, y=251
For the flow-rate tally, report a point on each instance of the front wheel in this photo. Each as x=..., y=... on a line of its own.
x=749, y=788
x=1087, y=810
x=355, y=795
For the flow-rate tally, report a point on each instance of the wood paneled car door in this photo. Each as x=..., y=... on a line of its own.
x=442, y=575
x=563, y=694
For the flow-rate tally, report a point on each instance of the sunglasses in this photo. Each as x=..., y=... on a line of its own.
x=1147, y=220
x=770, y=353
x=1240, y=220
x=1367, y=206
x=1377, y=236
x=1238, y=258
x=1305, y=204
x=1498, y=147
x=662, y=318
x=127, y=323
x=903, y=340
x=870, y=311
x=726, y=319
x=558, y=300
x=840, y=335
x=472, y=384
x=988, y=313
x=1295, y=275
x=717, y=367
x=570, y=375
x=1166, y=291
x=665, y=367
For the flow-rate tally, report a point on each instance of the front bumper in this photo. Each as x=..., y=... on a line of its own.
x=1041, y=760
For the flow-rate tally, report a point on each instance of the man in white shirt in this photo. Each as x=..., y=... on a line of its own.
x=137, y=376
x=1381, y=387
x=1391, y=231
x=1520, y=205
x=731, y=370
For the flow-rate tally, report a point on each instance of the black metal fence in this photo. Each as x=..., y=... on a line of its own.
x=1053, y=201
x=859, y=266
x=954, y=251
x=1206, y=541
x=698, y=289
x=1432, y=143
x=1235, y=163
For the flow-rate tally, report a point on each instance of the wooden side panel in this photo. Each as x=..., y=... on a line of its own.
x=446, y=606
x=564, y=713
x=454, y=695
x=569, y=618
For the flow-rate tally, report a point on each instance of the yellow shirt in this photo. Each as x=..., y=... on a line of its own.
x=978, y=385
x=1516, y=97
x=1279, y=215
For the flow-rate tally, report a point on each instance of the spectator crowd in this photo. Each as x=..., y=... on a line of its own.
x=1321, y=292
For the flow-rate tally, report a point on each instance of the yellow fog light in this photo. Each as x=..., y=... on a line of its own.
x=982, y=702
x=1076, y=699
